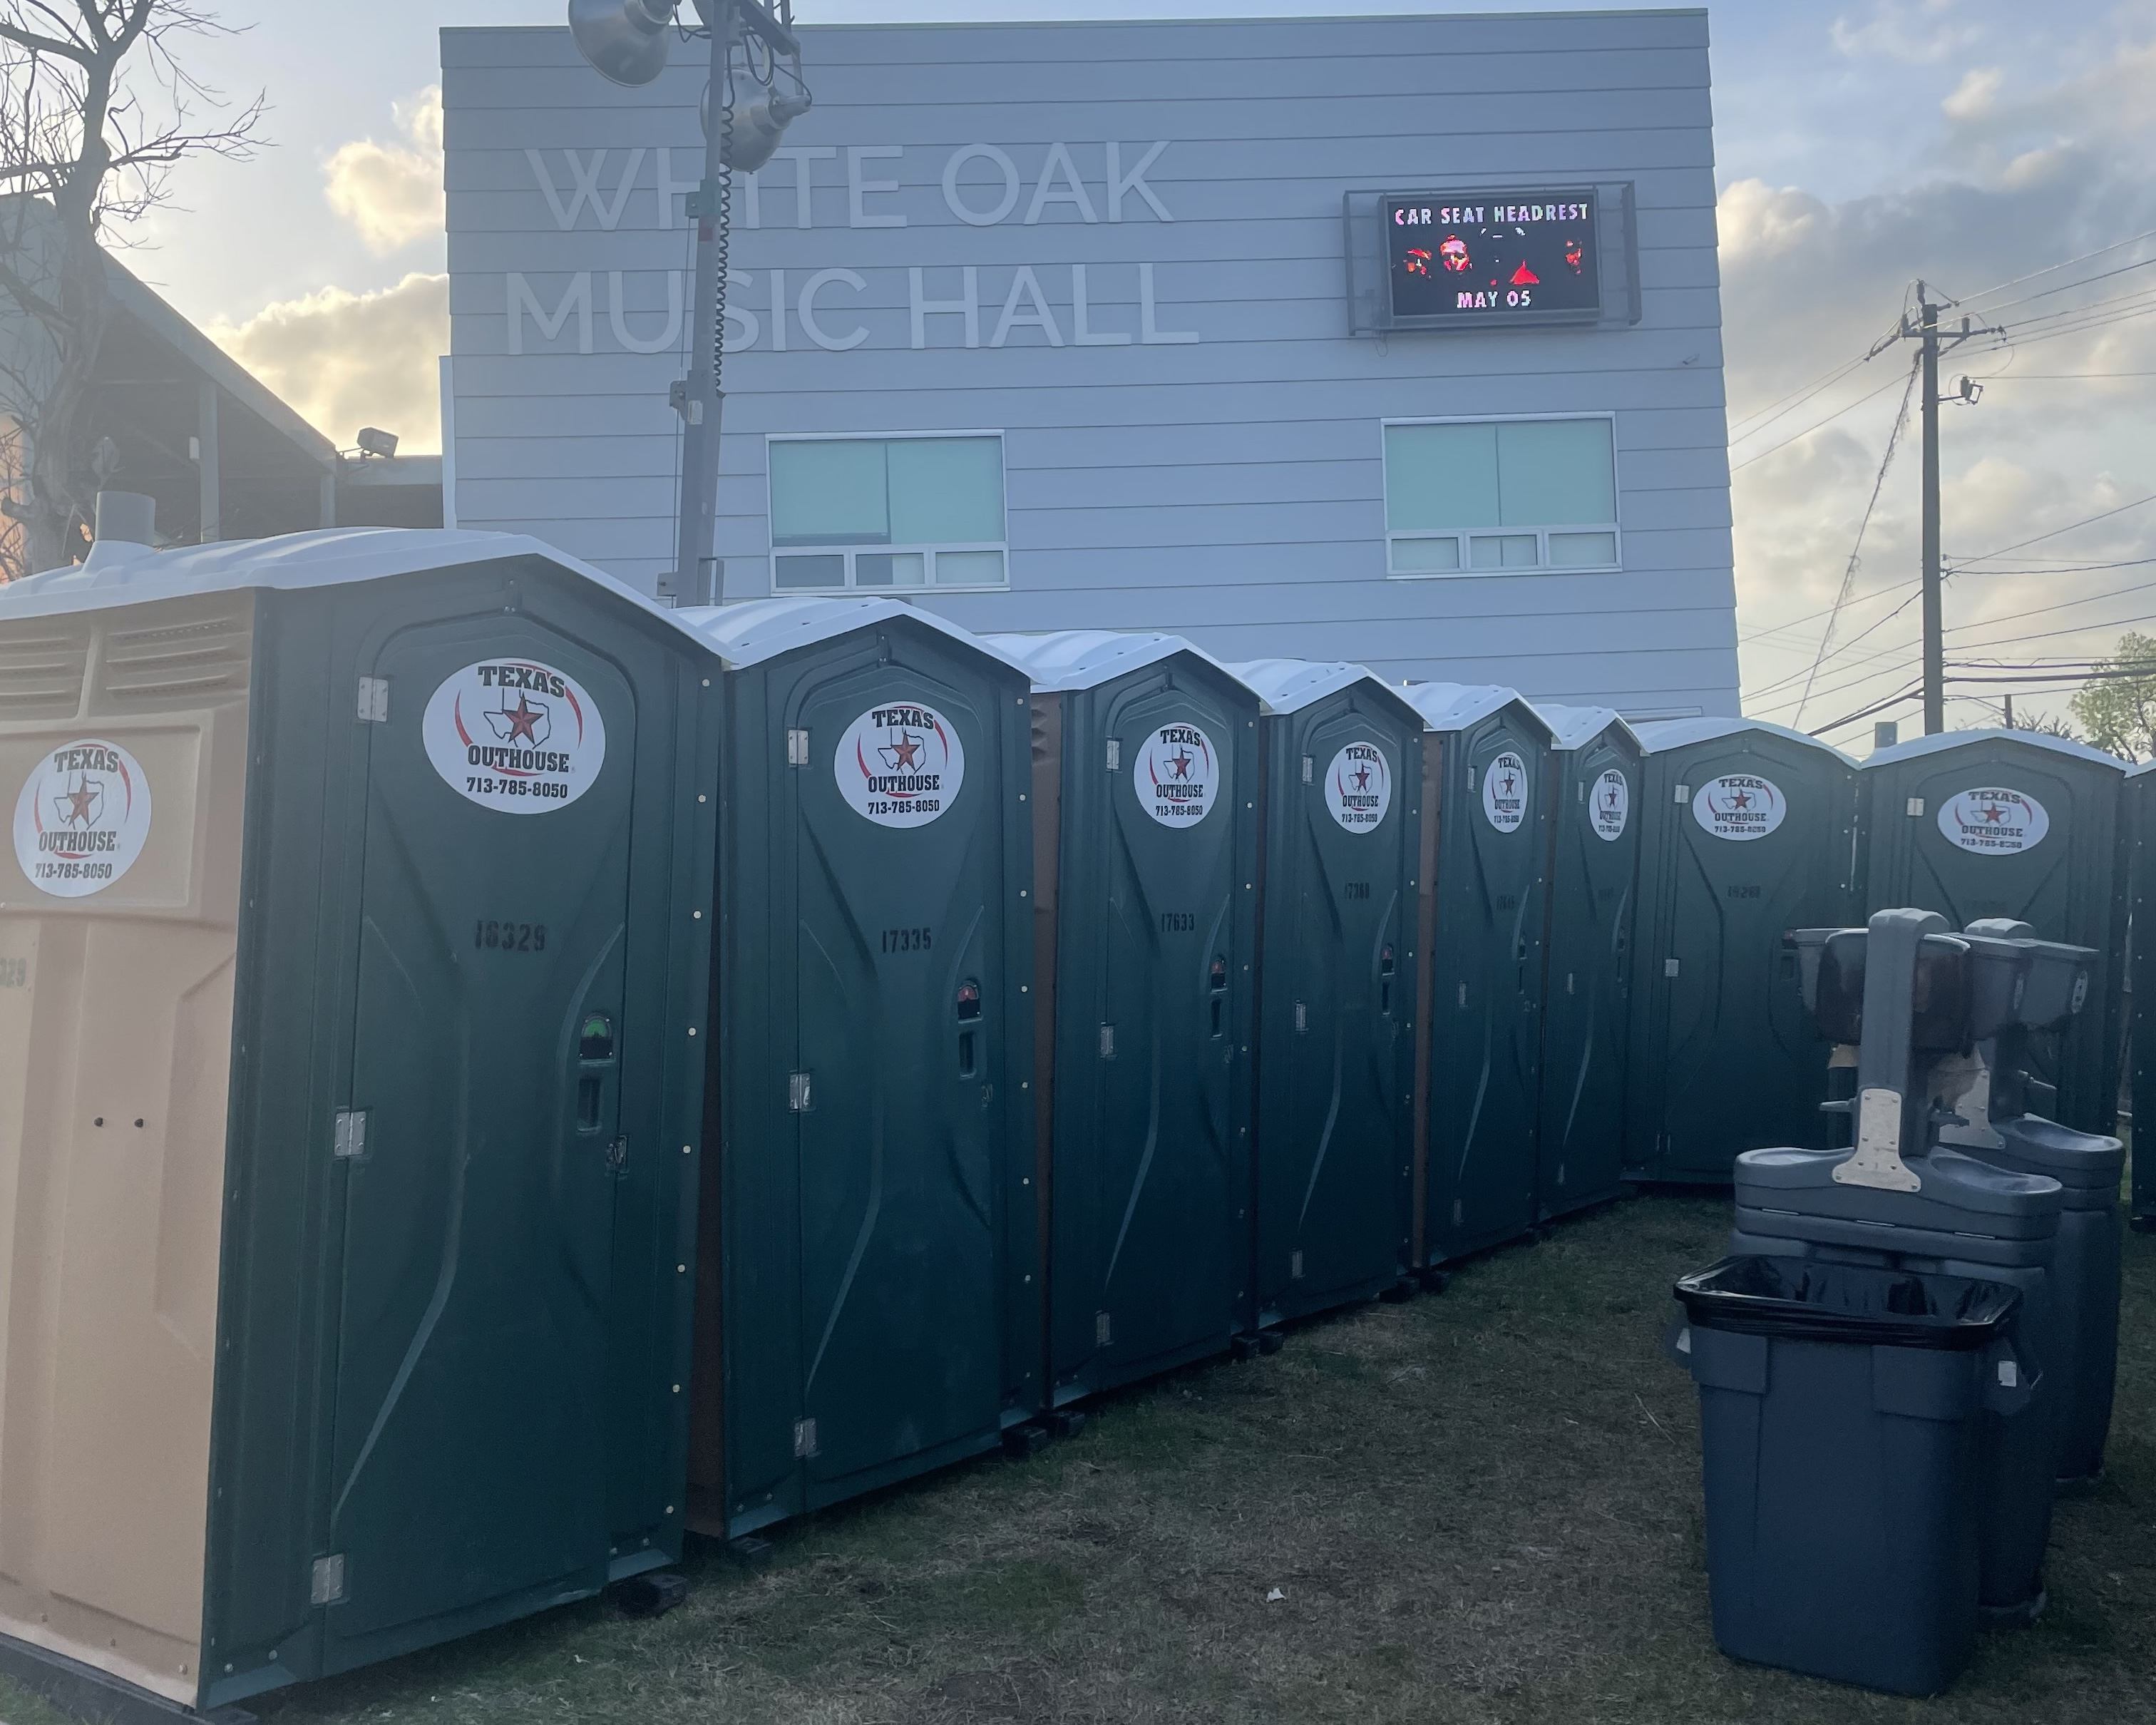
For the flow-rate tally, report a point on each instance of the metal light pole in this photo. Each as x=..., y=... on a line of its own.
x=626, y=42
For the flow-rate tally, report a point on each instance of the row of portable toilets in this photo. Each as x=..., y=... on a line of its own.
x=494, y=1074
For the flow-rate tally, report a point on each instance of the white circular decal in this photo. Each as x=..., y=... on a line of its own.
x=1611, y=805
x=82, y=817
x=1178, y=775
x=1505, y=792
x=1739, y=806
x=1994, y=822
x=1358, y=787
x=516, y=736
x=899, y=765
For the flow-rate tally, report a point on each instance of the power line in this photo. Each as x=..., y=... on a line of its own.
x=1805, y=390
x=2116, y=245
x=2059, y=569
x=2055, y=532
x=1856, y=551
x=1775, y=629
x=1738, y=466
x=2068, y=286
x=2117, y=592
x=2066, y=376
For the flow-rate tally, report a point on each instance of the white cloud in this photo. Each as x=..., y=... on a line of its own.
x=391, y=193
x=1973, y=97
x=345, y=360
x=1917, y=32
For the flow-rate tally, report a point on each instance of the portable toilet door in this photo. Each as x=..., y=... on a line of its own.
x=1340, y=819
x=1145, y=778
x=1747, y=832
x=2014, y=823
x=867, y=1306
x=1586, y=988
x=353, y=975
x=1486, y=756
x=2141, y=977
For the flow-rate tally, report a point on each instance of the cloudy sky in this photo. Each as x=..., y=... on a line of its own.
x=1861, y=144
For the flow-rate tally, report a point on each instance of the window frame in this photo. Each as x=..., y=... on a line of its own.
x=928, y=553
x=1462, y=536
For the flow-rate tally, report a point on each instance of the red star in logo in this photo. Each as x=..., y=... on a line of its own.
x=523, y=722
x=1180, y=763
x=1742, y=799
x=906, y=753
x=1995, y=814
x=1509, y=783
x=1362, y=779
x=82, y=803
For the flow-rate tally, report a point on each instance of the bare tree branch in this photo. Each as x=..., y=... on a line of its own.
x=97, y=107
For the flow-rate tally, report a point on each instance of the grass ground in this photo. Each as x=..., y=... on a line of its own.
x=1481, y=1506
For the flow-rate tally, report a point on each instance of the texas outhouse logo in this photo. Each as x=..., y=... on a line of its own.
x=1739, y=806
x=1992, y=821
x=1178, y=775
x=1358, y=787
x=82, y=817
x=1609, y=804
x=516, y=736
x=1505, y=792
x=899, y=765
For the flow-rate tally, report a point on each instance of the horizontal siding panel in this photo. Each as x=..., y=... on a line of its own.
x=1681, y=366
x=1643, y=419
x=1193, y=180
x=973, y=45
x=1630, y=74
x=944, y=247
x=1640, y=134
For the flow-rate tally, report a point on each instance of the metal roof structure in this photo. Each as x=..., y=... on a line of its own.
x=1945, y=740
x=1454, y=706
x=1287, y=685
x=1661, y=734
x=1086, y=658
x=759, y=630
x=1573, y=727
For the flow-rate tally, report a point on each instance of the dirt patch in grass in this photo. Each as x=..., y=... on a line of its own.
x=1481, y=1506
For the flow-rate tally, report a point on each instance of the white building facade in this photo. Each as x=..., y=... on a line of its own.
x=1396, y=340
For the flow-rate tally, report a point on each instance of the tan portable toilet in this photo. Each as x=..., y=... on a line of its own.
x=354, y=962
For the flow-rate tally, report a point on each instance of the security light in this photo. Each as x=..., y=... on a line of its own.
x=375, y=441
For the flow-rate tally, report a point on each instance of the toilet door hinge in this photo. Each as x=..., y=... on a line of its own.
x=800, y=1093
x=1115, y=754
x=348, y=1135
x=1669, y=967
x=1684, y=793
x=805, y=1439
x=374, y=700
x=1104, y=1329
x=1916, y=807
x=1108, y=1042
x=326, y=1585
x=1301, y=1017
x=1309, y=769
x=797, y=749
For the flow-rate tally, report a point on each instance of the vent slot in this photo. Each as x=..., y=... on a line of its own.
x=178, y=665
x=41, y=670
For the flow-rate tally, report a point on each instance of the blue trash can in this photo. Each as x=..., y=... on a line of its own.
x=1839, y=1435
x=1967, y=1220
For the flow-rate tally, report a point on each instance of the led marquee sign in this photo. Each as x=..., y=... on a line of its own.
x=1458, y=258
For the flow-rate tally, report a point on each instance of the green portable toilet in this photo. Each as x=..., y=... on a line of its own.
x=2013, y=824
x=1587, y=980
x=1486, y=763
x=2140, y=823
x=354, y=954
x=1145, y=786
x=868, y=1306
x=1340, y=810
x=1746, y=830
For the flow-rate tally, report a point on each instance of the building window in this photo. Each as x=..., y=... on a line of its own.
x=875, y=514
x=1500, y=497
